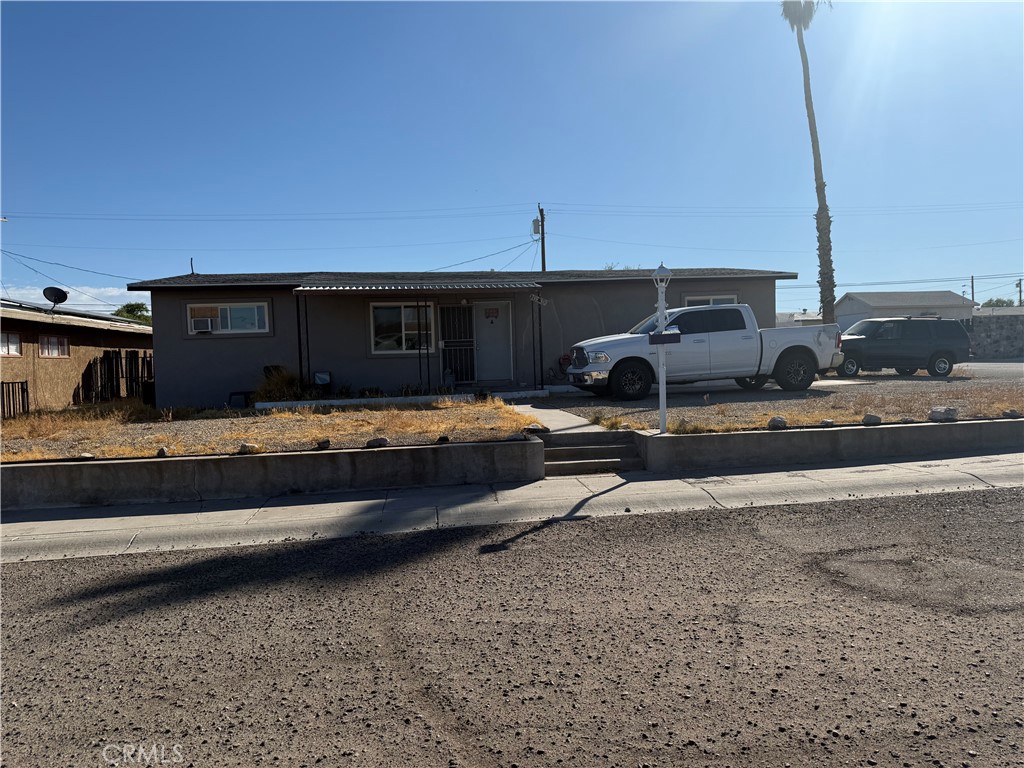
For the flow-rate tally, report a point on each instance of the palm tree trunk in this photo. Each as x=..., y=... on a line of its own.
x=826, y=271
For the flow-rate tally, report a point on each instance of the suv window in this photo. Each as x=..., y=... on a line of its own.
x=889, y=330
x=918, y=330
x=949, y=329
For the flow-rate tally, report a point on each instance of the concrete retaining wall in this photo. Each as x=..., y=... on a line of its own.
x=130, y=481
x=672, y=453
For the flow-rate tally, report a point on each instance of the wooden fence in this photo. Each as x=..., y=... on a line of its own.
x=15, y=398
x=114, y=375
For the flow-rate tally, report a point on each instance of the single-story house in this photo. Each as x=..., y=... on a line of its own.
x=51, y=358
x=792, y=319
x=216, y=335
x=852, y=307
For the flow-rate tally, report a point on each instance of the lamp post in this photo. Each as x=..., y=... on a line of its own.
x=661, y=276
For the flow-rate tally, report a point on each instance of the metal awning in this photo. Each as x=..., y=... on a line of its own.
x=419, y=286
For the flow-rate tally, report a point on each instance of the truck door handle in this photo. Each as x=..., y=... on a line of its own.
x=700, y=341
x=746, y=337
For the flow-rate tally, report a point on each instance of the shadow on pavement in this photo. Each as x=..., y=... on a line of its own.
x=206, y=576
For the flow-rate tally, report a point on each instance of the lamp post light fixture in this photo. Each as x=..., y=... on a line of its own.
x=661, y=276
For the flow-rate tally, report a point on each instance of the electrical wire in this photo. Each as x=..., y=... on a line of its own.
x=255, y=250
x=66, y=266
x=478, y=258
x=58, y=282
x=514, y=258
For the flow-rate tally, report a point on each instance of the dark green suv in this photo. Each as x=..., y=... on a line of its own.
x=906, y=344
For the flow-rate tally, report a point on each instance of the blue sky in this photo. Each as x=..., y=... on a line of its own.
x=138, y=138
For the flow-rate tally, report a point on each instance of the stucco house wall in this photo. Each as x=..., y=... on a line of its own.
x=53, y=382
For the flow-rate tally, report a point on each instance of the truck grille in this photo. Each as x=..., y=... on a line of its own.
x=579, y=357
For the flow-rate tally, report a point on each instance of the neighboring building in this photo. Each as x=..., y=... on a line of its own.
x=53, y=358
x=997, y=333
x=791, y=319
x=216, y=334
x=852, y=307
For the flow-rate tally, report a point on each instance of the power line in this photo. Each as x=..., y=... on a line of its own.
x=804, y=251
x=907, y=282
x=55, y=280
x=67, y=266
x=514, y=258
x=411, y=215
x=478, y=258
x=300, y=248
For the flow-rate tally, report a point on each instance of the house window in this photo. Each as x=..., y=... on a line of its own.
x=400, y=328
x=10, y=344
x=704, y=301
x=227, y=318
x=54, y=346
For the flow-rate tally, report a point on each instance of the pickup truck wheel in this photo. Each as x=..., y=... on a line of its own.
x=906, y=371
x=795, y=370
x=850, y=367
x=941, y=364
x=630, y=381
x=752, y=382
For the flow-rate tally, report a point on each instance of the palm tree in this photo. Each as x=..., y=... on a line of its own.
x=799, y=14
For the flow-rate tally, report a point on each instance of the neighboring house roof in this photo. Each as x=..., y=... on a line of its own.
x=909, y=299
x=37, y=313
x=308, y=281
x=793, y=318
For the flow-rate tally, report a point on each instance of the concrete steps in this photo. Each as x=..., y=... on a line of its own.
x=589, y=452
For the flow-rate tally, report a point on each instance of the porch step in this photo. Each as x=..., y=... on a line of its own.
x=580, y=453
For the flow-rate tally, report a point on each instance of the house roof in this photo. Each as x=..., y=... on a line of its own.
x=38, y=313
x=308, y=281
x=908, y=299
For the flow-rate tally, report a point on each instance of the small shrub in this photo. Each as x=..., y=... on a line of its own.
x=371, y=392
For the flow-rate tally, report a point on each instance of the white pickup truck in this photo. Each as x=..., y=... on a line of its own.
x=714, y=342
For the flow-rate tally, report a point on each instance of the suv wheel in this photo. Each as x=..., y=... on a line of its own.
x=850, y=367
x=630, y=381
x=795, y=370
x=940, y=365
x=906, y=371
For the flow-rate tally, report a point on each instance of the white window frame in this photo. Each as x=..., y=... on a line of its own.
x=404, y=305
x=10, y=340
x=48, y=341
x=213, y=326
x=713, y=301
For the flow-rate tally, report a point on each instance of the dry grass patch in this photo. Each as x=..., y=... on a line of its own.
x=122, y=433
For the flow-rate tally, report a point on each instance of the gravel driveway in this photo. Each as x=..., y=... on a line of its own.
x=883, y=632
x=845, y=401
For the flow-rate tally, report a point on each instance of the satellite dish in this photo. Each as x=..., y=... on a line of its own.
x=55, y=295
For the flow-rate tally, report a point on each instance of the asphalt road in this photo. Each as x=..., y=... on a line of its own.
x=862, y=632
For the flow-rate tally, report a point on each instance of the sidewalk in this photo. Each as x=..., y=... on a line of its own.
x=84, y=532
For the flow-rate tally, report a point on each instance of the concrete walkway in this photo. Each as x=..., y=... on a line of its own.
x=83, y=532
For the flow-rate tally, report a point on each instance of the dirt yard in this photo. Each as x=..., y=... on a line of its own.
x=884, y=632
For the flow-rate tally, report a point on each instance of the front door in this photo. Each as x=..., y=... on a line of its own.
x=458, y=356
x=492, y=323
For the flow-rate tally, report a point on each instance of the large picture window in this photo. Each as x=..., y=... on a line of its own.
x=400, y=328
x=54, y=346
x=10, y=344
x=227, y=318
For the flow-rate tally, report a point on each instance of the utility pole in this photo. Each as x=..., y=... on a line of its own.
x=1019, y=302
x=972, y=289
x=543, y=254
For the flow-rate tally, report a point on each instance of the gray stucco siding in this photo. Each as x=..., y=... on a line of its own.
x=201, y=371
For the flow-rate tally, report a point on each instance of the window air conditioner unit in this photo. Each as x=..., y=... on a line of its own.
x=202, y=325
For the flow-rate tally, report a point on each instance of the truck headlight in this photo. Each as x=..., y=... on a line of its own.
x=598, y=357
